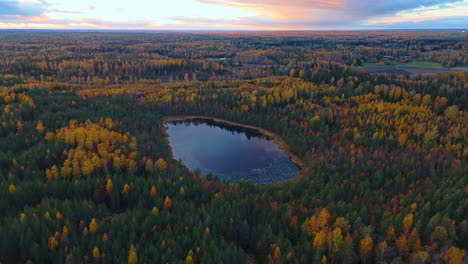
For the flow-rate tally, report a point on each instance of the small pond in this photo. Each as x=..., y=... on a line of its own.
x=230, y=152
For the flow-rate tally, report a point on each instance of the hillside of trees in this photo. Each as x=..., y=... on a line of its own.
x=86, y=174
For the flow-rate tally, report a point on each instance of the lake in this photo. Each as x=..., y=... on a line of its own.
x=230, y=152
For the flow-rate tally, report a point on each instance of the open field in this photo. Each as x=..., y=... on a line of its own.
x=421, y=64
x=410, y=70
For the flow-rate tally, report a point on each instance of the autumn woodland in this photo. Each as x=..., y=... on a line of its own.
x=87, y=176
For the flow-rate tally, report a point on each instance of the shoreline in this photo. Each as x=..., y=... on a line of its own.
x=277, y=139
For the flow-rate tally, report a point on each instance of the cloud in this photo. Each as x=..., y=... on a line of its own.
x=64, y=11
x=241, y=23
x=371, y=7
x=22, y=8
x=459, y=22
x=279, y=3
x=446, y=16
x=234, y=14
x=44, y=21
x=258, y=23
x=323, y=14
x=379, y=7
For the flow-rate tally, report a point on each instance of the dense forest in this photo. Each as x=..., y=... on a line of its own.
x=86, y=174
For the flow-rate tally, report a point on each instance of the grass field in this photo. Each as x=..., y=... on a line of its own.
x=369, y=64
x=422, y=64
x=410, y=68
x=419, y=64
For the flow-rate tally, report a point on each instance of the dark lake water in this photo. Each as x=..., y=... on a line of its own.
x=232, y=153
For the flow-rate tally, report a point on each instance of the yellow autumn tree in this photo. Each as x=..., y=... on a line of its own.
x=407, y=222
x=451, y=111
x=323, y=218
x=276, y=253
x=337, y=238
x=454, y=255
x=109, y=186
x=116, y=163
x=58, y=215
x=365, y=248
x=161, y=164
x=49, y=136
x=314, y=224
x=390, y=234
x=402, y=139
x=65, y=232
x=131, y=166
x=96, y=149
x=324, y=260
x=341, y=223
x=22, y=217
x=52, y=242
x=319, y=240
x=402, y=245
x=149, y=166
x=126, y=190
x=132, y=255
x=19, y=125
x=421, y=257
x=40, y=126
x=12, y=188
x=93, y=226
x=153, y=192
x=87, y=168
x=52, y=173
x=96, y=253
x=167, y=203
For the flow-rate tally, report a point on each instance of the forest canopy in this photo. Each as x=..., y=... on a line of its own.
x=87, y=176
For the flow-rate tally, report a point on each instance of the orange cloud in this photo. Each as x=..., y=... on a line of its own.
x=279, y=9
x=318, y=4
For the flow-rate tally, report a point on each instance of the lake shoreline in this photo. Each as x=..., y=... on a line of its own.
x=277, y=139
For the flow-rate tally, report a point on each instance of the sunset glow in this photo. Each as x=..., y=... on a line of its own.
x=232, y=14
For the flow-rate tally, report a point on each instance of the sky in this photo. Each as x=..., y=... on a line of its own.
x=234, y=14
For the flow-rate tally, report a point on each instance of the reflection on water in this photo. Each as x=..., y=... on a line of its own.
x=229, y=152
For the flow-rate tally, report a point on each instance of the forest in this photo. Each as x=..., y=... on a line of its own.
x=87, y=176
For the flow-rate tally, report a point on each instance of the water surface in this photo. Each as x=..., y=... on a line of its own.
x=232, y=153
